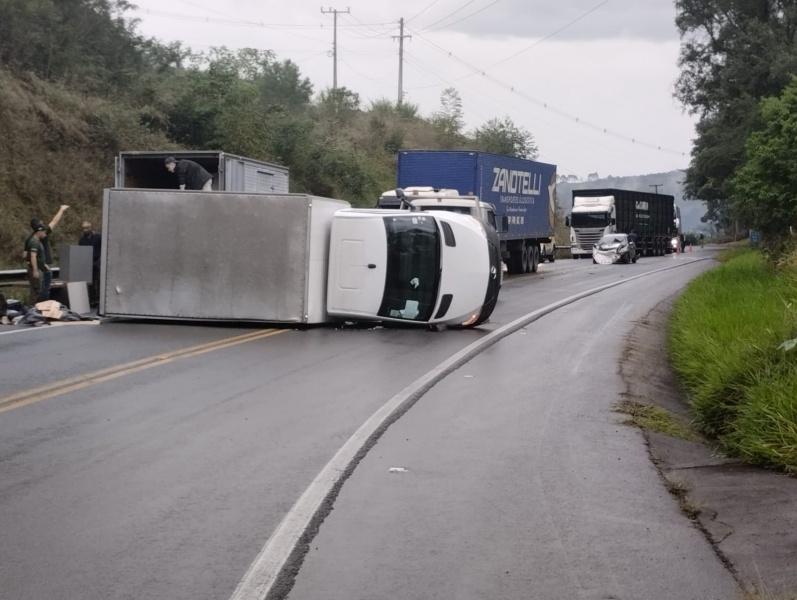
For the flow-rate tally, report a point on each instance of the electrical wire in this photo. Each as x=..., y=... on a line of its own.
x=468, y=16
x=418, y=14
x=550, y=108
x=550, y=35
x=451, y=14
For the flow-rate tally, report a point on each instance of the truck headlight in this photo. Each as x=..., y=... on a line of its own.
x=471, y=320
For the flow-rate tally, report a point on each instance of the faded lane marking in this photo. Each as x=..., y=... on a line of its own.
x=79, y=382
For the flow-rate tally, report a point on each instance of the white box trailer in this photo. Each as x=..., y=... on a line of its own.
x=215, y=255
x=231, y=173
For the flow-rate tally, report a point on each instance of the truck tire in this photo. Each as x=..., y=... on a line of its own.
x=524, y=259
x=487, y=310
x=552, y=257
x=534, y=258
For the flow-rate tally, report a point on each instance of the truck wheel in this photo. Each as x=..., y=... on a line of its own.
x=524, y=258
x=552, y=257
x=487, y=310
x=534, y=258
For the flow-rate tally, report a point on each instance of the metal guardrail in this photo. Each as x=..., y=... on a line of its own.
x=14, y=276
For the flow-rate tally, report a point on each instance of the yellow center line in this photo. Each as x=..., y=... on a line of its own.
x=65, y=386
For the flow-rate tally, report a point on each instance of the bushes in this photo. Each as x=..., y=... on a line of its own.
x=726, y=342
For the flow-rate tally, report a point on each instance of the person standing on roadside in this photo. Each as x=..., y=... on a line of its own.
x=36, y=225
x=89, y=237
x=190, y=175
x=36, y=265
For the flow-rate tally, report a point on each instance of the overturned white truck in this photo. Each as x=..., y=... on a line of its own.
x=287, y=258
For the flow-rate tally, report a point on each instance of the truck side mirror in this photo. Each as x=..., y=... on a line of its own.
x=614, y=221
x=567, y=221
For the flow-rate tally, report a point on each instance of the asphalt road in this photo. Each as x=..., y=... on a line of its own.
x=165, y=480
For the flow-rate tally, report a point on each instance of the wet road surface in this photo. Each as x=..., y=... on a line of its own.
x=165, y=482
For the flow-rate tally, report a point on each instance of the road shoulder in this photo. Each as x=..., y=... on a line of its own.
x=748, y=514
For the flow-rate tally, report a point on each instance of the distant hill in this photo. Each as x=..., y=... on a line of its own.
x=671, y=183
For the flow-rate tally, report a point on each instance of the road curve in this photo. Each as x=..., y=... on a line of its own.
x=166, y=482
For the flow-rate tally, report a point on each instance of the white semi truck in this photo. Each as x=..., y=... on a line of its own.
x=287, y=258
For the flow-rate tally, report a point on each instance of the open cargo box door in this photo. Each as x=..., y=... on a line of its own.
x=147, y=170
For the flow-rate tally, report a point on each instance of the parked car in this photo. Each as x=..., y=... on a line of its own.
x=613, y=248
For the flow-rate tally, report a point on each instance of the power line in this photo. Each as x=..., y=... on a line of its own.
x=452, y=13
x=468, y=16
x=548, y=107
x=418, y=14
x=550, y=35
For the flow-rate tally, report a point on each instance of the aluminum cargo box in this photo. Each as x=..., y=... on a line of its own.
x=231, y=173
x=215, y=255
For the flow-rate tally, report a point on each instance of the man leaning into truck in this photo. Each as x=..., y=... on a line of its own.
x=190, y=175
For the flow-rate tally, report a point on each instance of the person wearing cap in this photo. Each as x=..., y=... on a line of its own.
x=46, y=253
x=190, y=175
x=35, y=263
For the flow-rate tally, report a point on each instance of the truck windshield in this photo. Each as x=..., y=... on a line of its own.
x=598, y=219
x=413, y=268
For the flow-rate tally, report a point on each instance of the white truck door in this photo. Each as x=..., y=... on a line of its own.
x=357, y=265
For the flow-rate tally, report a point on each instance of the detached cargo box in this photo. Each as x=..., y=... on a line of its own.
x=215, y=255
x=231, y=173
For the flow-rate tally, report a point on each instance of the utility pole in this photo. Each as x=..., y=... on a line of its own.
x=400, y=37
x=335, y=12
x=656, y=186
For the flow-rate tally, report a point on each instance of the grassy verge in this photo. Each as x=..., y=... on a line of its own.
x=654, y=418
x=726, y=342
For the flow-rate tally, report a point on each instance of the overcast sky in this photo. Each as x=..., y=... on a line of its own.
x=592, y=80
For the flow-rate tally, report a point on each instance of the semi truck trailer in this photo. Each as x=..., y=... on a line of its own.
x=521, y=192
x=287, y=258
x=600, y=212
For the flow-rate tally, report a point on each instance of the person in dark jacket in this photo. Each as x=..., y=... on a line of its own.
x=91, y=238
x=37, y=225
x=190, y=175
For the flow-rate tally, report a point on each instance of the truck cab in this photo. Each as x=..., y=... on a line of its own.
x=409, y=266
x=592, y=218
x=424, y=198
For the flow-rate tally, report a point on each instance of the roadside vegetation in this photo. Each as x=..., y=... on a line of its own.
x=78, y=84
x=733, y=341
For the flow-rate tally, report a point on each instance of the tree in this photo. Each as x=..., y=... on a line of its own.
x=733, y=53
x=449, y=119
x=764, y=189
x=281, y=84
x=502, y=136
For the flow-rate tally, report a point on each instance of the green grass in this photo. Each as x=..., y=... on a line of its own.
x=654, y=418
x=725, y=338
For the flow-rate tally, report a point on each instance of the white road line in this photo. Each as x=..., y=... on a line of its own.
x=272, y=570
x=49, y=327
